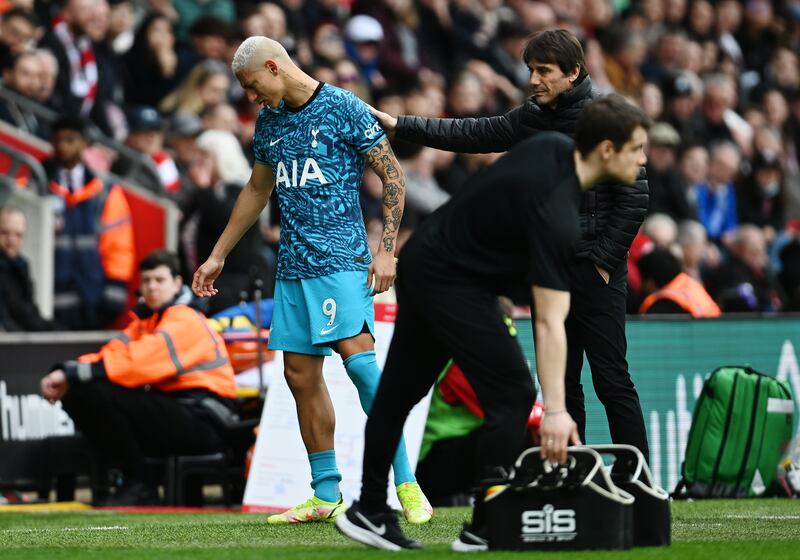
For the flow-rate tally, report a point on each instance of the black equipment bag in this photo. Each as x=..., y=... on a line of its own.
x=566, y=507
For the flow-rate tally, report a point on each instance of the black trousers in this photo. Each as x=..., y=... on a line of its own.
x=126, y=425
x=439, y=318
x=596, y=326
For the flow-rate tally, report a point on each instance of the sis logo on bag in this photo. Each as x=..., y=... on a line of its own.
x=548, y=525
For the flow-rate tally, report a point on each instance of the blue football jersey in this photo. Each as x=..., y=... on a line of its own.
x=316, y=153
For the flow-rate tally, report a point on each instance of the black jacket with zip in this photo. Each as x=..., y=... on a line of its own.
x=610, y=214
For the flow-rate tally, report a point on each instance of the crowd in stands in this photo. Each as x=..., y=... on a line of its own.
x=720, y=79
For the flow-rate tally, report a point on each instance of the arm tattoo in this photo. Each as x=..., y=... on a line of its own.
x=383, y=161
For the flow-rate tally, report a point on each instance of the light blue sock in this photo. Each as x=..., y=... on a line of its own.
x=325, y=475
x=366, y=375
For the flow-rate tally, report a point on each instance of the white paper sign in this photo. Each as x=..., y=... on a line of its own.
x=280, y=475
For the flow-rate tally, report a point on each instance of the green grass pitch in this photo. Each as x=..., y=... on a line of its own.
x=707, y=530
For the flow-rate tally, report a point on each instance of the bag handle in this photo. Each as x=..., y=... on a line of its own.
x=641, y=476
x=596, y=478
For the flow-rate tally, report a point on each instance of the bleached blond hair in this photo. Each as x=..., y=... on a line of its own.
x=255, y=50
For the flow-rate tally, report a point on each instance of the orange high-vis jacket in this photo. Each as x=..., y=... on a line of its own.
x=115, y=241
x=117, y=249
x=688, y=293
x=171, y=350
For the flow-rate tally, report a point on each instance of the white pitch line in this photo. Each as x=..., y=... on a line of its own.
x=763, y=517
x=100, y=528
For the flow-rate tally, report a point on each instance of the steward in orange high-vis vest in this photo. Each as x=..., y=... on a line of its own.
x=671, y=290
x=163, y=387
x=688, y=293
x=94, y=244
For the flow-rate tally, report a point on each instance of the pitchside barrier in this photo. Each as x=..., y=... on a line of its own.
x=668, y=360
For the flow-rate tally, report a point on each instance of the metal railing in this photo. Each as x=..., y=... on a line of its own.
x=38, y=177
x=141, y=165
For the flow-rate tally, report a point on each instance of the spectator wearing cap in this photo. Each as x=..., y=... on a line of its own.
x=405, y=50
x=151, y=65
x=363, y=35
x=668, y=186
x=668, y=289
x=760, y=196
x=24, y=78
x=716, y=197
x=94, y=250
x=182, y=139
x=146, y=135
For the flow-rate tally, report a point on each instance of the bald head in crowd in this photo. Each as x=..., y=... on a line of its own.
x=13, y=226
x=661, y=229
x=750, y=247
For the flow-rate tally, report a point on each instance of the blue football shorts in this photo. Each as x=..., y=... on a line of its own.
x=312, y=313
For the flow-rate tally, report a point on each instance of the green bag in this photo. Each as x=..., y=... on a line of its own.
x=741, y=426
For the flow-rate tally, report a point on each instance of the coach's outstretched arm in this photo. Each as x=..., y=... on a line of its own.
x=558, y=429
x=384, y=163
x=249, y=204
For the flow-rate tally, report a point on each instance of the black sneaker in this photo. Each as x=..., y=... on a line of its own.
x=470, y=540
x=380, y=530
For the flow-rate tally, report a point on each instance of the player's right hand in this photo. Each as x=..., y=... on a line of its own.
x=387, y=121
x=203, y=280
x=557, y=431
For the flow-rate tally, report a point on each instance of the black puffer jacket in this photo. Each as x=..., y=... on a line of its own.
x=610, y=213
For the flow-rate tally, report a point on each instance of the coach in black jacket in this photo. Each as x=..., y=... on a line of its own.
x=610, y=218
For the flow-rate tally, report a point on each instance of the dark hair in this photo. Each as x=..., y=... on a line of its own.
x=140, y=48
x=556, y=46
x=161, y=257
x=209, y=26
x=659, y=265
x=75, y=123
x=608, y=118
x=22, y=13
